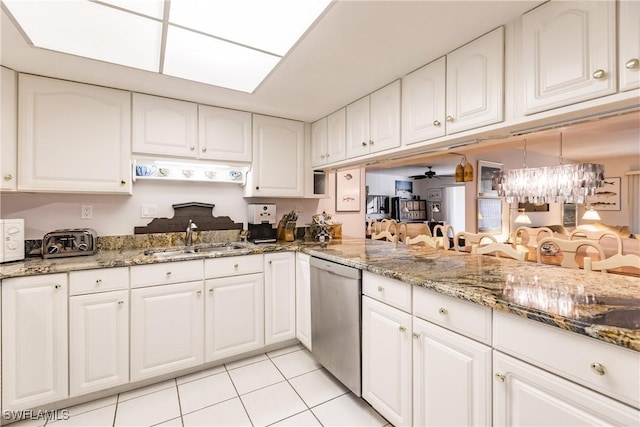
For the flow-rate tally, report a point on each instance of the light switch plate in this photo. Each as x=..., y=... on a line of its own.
x=147, y=211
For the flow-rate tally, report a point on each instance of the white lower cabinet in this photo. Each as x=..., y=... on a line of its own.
x=386, y=360
x=34, y=341
x=303, y=299
x=526, y=395
x=98, y=341
x=280, y=297
x=167, y=329
x=234, y=315
x=451, y=378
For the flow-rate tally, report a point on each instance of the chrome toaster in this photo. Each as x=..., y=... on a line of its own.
x=69, y=242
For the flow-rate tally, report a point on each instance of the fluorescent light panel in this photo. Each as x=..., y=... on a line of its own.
x=228, y=43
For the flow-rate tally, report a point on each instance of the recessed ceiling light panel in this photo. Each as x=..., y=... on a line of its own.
x=152, y=8
x=90, y=30
x=194, y=56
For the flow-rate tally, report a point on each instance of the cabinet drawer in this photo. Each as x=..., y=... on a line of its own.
x=571, y=355
x=233, y=266
x=464, y=317
x=389, y=291
x=104, y=279
x=163, y=274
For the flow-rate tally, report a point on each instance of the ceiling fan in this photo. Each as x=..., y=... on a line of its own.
x=428, y=174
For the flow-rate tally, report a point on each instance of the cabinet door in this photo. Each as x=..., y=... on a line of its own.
x=423, y=102
x=278, y=158
x=475, y=83
x=164, y=126
x=358, y=138
x=167, y=329
x=319, y=142
x=280, y=297
x=234, y=321
x=451, y=378
x=73, y=137
x=568, y=52
x=224, y=134
x=9, y=126
x=303, y=299
x=629, y=45
x=336, y=134
x=98, y=341
x=526, y=395
x=386, y=360
x=34, y=347
x=385, y=118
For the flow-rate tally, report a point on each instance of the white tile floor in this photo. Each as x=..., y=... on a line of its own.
x=285, y=388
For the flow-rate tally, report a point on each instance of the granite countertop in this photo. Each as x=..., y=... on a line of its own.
x=602, y=306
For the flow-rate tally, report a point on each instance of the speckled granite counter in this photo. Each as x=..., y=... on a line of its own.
x=602, y=306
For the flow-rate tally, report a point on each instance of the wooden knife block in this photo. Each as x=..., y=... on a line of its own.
x=286, y=231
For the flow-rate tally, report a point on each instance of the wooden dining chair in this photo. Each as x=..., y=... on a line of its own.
x=385, y=229
x=596, y=236
x=444, y=234
x=568, y=249
x=529, y=236
x=614, y=261
x=471, y=239
x=500, y=248
x=433, y=242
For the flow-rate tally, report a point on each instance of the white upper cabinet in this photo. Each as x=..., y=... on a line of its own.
x=373, y=122
x=629, y=45
x=423, y=103
x=568, y=53
x=328, y=138
x=73, y=137
x=164, y=126
x=224, y=134
x=278, y=158
x=9, y=126
x=475, y=83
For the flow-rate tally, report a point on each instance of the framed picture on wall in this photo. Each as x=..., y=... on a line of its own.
x=485, y=178
x=569, y=215
x=348, y=190
x=434, y=194
x=607, y=197
x=490, y=215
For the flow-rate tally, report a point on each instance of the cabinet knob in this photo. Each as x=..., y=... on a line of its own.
x=168, y=273
x=257, y=187
x=500, y=378
x=198, y=293
x=270, y=262
x=236, y=265
x=449, y=119
x=380, y=289
x=192, y=147
x=123, y=182
x=415, y=336
x=598, y=368
x=211, y=290
x=402, y=328
x=370, y=142
x=9, y=177
x=120, y=302
x=98, y=281
x=327, y=155
x=57, y=286
x=322, y=156
x=443, y=311
x=204, y=149
x=630, y=64
x=599, y=74
x=364, y=144
x=436, y=123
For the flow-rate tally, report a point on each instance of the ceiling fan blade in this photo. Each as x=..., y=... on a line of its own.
x=418, y=177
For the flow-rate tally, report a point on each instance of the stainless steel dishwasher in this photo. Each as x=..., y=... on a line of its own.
x=335, y=320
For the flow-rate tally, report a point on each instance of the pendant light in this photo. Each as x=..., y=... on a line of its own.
x=522, y=217
x=591, y=214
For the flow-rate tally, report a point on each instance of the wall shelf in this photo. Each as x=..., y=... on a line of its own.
x=171, y=170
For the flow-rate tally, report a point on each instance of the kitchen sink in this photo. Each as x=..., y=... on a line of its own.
x=206, y=248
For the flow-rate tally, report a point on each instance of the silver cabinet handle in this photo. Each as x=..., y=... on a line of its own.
x=402, y=329
x=443, y=311
x=192, y=147
x=98, y=281
x=123, y=182
x=449, y=119
x=500, y=378
x=380, y=289
x=599, y=74
x=57, y=286
x=436, y=123
x=198, y=293
x=364, y=144
x=322, y=156
x=210, y=290
x=598, y=368
x=370, y=142
x=270, y=262
x=8, y=177
x=120, y=302
x=630, y=64
x=327, y=155
x=415, y=336
x=168, y=273
x=204, y=149
x=235, y=266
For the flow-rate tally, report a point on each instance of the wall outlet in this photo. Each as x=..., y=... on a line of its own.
x=147, y=211
x=86, y=212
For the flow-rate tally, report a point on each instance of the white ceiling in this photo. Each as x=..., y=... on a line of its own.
x=355, y=48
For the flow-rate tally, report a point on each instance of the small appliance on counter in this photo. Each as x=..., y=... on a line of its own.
x=69, y=242
x=12, y=248
x=260, y=220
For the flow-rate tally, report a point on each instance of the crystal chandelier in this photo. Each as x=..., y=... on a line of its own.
x=570, y=183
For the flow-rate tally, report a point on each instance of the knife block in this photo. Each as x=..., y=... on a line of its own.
x=286, y=231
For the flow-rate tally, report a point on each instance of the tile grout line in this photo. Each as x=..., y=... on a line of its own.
x=238, y=394
x=175, y=380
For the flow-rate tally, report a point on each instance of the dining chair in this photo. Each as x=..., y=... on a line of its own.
x=433, y=242
x=596, y=236
x=471, y=239
x=614, y=261
x=383, y=230
x=567, y=248
x=444, y=234
x=500, y=248
x=530, y=233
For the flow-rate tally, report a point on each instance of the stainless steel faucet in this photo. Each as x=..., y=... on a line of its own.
x=189, y=237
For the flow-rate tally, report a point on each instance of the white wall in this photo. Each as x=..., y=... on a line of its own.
x=117, y=215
